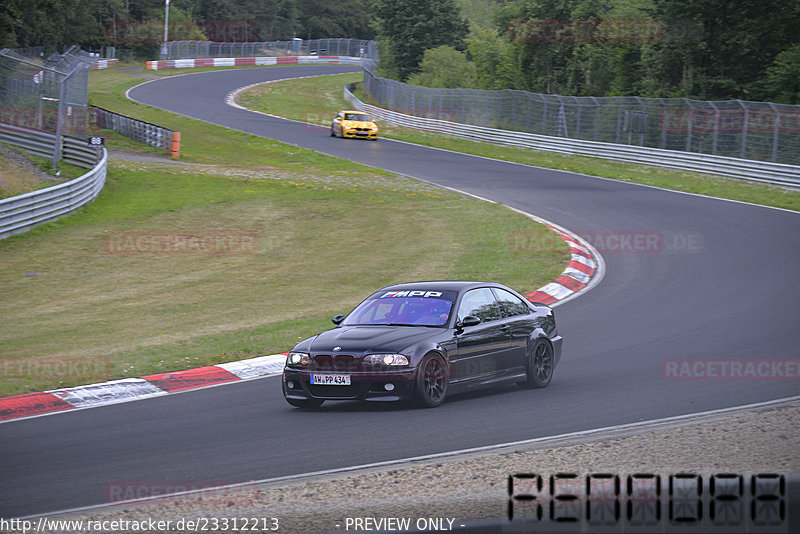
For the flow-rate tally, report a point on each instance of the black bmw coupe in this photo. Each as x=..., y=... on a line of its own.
x=422, y=341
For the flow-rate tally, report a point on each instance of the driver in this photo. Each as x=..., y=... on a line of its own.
x=437, y=314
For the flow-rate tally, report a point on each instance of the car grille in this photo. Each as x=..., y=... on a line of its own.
x=337, y=362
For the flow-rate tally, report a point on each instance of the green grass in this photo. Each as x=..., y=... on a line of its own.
x=316, y=100
x=16, y=180
x=326, y=233
x=202, y=142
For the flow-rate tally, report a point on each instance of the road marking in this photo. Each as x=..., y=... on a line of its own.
x=560, y=440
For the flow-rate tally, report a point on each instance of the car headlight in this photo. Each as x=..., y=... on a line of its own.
x=298, y=359
x=389, y=360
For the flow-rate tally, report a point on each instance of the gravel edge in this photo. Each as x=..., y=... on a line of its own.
x=474, y=486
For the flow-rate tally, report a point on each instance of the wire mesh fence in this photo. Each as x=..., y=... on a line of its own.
x=751, y=130
x=49, y=94
x=295, y=47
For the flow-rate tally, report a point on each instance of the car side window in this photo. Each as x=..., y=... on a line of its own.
x=510, y=303
x=480, y=303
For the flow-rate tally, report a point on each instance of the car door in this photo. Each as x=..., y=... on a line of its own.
x=518, y=322
x=480, y=349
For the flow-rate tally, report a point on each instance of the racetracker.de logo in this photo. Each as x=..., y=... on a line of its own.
x=47, y=368
x=212, y=243
x=611, y=242
x=780, y=369
x=132, y=32
x=185, y=489
x=586, y=31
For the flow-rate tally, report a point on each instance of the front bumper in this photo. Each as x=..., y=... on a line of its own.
x=361, y=134
x=367, y=386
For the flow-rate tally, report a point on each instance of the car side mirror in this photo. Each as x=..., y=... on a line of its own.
x=337, y=319
x=469, y=320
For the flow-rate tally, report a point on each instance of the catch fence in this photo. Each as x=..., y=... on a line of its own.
x=48, y=95
x=297, y=47
x=761, y=131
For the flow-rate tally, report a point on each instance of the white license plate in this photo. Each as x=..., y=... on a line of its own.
x=330, y=380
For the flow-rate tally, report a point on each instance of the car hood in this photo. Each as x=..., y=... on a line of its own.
x=359, y=124
x=358, y=340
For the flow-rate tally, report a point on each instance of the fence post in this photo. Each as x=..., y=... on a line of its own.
x=744, y=128
x=59, y=123
x=689, y=125
x=597, y=107
x=775, y=132
x=644, y=113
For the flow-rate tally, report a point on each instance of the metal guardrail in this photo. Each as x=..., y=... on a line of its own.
x=146, y=132
x=744, y=169
x=73, y=150
x=21, y=213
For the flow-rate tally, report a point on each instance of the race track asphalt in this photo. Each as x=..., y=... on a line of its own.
x=732, y=296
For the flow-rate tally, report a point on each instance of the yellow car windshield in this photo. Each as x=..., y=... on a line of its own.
x=356, y=117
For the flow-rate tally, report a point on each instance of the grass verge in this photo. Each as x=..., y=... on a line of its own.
x=318, y=99
x=292, y=238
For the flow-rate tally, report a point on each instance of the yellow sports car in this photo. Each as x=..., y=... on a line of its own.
x=348, y=123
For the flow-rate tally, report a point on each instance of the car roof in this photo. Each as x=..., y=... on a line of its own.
x=447, y=285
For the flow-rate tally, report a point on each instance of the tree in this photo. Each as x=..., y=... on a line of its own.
x=491, y=54
x=58, y=23
x=725, y=46
x=406, y=28
x=321, y=19
x=444, y=66
x=272, y=19
x=10, y=18
x=540, y=47
x=783, y=77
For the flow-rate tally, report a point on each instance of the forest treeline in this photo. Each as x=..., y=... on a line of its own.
x=704, y=49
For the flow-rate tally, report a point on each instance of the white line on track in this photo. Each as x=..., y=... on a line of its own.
x=561, y=440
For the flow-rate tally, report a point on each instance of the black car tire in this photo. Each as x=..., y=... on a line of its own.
x=307, y=403
x=432, y=381
x=540, y=365
x=333, y=132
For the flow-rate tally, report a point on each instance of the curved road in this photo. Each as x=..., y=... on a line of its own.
x=730, y=297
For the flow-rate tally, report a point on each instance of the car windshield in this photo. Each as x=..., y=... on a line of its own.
x=356, y=117
x=404, y=308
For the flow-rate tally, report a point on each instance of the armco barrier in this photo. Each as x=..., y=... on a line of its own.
x=73, y=150
x=250, y=61
x=744, y=169
x=151, y=134
x=21, y=213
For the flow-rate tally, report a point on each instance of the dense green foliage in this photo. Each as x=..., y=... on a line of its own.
x=406, y=28
x=705, y=49
x=94, y=23
x=444, y=66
